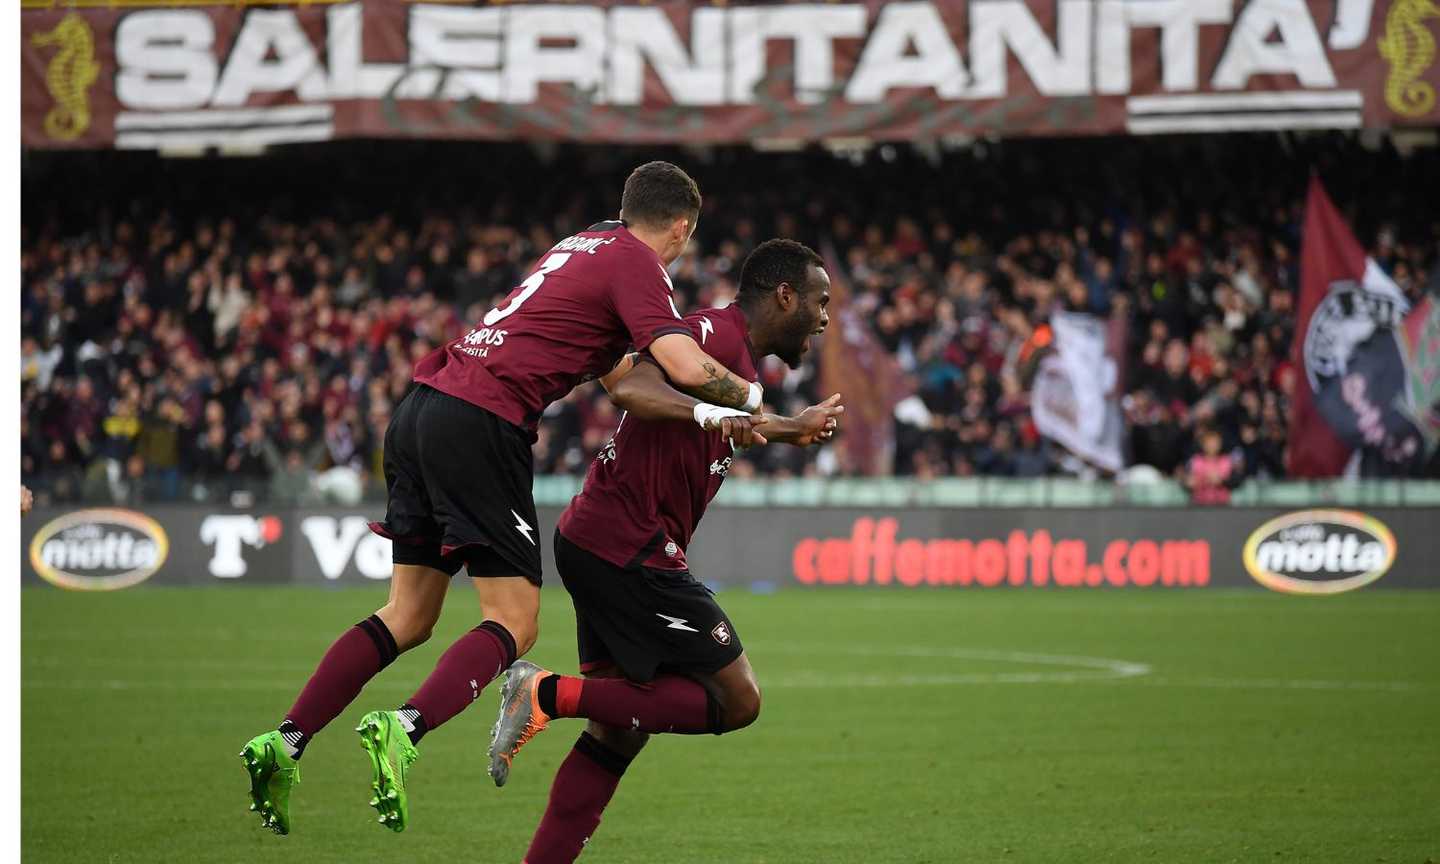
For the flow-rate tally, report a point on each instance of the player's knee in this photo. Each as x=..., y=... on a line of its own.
x=625, y=742
x=409, y=628
x=520, y=617
x=742, y=706
x=418, y=636
x=524, y=629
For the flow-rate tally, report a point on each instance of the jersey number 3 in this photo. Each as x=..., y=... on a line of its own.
x=529, y=287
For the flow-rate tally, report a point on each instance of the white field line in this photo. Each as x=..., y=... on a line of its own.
x=1289, y=684
x=1074, y=669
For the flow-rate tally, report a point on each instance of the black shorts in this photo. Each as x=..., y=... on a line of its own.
x=459, y=481
x=642, y=620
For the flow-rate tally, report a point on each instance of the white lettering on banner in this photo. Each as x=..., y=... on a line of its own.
x=887, y=62
x=350, y=75
x=336, y=542
x=1297, y=52
x=464, y=41
x=527, y=62
x=1062, y=72
x=638, y=34
x=1352, y=24
x=1179, y=22
x=813, y=30
x=229, y=535
x=167, y=58
x=249, y=68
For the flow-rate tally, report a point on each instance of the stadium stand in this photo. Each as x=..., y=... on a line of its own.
x=198, y=329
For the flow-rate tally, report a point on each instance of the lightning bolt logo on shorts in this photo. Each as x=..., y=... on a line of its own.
x=523, y=527
x=676, y=623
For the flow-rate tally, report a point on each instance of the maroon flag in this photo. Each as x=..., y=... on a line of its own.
x=1345, y=348
x=855, y=364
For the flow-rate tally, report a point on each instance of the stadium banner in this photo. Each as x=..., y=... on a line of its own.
x=1314, y=551
x=1369, y=401
x=137, y=74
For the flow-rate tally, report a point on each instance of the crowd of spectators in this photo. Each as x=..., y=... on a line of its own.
x=242, y=329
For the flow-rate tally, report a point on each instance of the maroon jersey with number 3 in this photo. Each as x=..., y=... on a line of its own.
x=590, y=297
x=648, y=488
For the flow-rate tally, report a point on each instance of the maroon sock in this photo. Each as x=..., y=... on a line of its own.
x=462, y=672
x=670, y=703
x=356, y=657
x=583, y=786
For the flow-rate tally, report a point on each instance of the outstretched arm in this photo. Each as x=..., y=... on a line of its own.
x=640, y=388
x=701, y=375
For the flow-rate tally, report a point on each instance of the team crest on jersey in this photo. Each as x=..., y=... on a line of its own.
x=721, y=633
x=671, y=549
x=607, y=453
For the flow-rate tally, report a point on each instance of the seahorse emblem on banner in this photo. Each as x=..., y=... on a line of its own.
x=1409, y=48
x=71, y=73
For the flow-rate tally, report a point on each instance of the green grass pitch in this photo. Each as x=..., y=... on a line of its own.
x=897, y=727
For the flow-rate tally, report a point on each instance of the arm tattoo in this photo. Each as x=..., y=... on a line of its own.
x=721, y=389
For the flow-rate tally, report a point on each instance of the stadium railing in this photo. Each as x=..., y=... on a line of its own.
x=1042, y=492
x=945, y=492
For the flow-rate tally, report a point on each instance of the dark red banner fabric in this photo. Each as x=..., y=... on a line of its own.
x=138, y=76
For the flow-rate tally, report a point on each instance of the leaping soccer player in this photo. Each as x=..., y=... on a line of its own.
x=658, y=653
x=459, y=471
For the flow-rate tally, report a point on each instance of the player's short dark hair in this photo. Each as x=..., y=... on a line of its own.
x=657, y=193
x=776, y=261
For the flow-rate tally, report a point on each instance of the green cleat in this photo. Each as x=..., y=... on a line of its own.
x=272, y=774
x=391, y=755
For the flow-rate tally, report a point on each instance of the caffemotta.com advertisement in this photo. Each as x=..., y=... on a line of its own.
x=1312, y=551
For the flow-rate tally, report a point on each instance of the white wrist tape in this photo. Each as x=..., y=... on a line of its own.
x=709, y=416
x=757, y=396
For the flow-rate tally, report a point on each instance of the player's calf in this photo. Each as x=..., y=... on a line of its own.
x=626, y=742
x=514, y=603
x=582, y=788
x=532, y=697
x=408, y=628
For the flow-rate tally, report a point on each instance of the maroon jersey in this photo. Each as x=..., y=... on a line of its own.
x=590, y=297
x=648, y=488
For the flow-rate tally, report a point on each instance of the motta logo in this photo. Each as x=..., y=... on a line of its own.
x=1320, y=552
x=99, y=550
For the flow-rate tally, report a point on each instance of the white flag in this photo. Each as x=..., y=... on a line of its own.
x=1074, y=400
